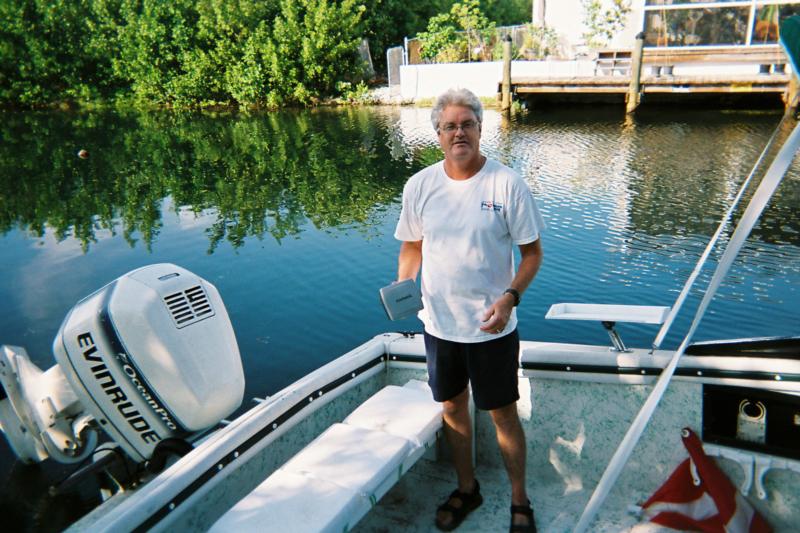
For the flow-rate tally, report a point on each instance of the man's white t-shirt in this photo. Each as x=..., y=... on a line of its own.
x=468, y=229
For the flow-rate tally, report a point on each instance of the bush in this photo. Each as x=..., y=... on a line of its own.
x=183, y=53
x=48, y=54
x=601, y=23
x=539, y=42
x=388, y=22
x=314, y=44
x=463, y=34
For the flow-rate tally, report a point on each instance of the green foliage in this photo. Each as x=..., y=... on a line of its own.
x=477, y=28
x=47, y=52
x=155, y=41
x=463, y=34
x=314, y=44
x=230, y=33
x=195, y=53
x=353, y=92
x=602, y=24
x=441, y=42
x=388, y=22
x=507, y=12
x=246, y=78
x=182, y=53
x=539, y=42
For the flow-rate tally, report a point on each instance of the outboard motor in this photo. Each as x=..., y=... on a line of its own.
x=149, y=357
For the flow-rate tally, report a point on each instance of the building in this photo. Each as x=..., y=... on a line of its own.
x=671, y=24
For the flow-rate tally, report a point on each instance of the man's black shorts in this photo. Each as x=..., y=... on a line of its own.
x=491, y=366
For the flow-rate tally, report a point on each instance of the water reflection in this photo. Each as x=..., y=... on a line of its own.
x=252, y=175
x=267, y=175
x=644, y=189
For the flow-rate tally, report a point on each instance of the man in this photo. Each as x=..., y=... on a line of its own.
x=459, y=222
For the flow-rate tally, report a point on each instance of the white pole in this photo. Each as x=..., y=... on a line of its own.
x=538, y=11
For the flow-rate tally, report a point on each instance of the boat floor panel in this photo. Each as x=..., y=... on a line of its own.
x=411, y=505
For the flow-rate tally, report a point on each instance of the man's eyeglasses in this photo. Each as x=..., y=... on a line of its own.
x=466, y=127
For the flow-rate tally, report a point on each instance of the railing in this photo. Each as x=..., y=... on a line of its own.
x=518, y=34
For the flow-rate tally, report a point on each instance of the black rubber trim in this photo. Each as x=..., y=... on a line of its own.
x=656, y=371
x=249, y=443
x=758, y=347
x=407, y=358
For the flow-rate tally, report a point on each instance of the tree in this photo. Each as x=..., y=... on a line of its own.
x=155, y=43
x=48, y=54
x=507, y=12
x=603, y=23
x=538, y=42
x=194, y=53
x=387, y=22
x=462, y=34
x=314, y=45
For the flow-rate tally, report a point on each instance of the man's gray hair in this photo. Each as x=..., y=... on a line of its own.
x=460, y=97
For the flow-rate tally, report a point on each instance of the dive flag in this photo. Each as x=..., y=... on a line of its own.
x=699, y=497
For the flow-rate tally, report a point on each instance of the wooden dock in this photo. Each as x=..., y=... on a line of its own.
x=612, y=78
x=772, y=83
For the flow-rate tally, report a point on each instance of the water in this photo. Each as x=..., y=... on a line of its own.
x=291, y=216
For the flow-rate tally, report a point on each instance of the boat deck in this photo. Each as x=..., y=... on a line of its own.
x=411, y=504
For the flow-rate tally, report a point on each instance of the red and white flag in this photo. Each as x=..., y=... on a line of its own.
x=699, y=497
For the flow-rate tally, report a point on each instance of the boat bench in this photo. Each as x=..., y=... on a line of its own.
x=334, y=481
x=609, y=315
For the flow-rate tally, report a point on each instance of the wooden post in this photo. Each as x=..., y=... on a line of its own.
x=506, y=101
x=634, y=89
x=792, y=93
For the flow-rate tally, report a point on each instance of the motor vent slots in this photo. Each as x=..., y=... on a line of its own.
x=189, y=306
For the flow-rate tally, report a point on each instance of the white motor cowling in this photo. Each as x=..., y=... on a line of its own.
x=150, y=356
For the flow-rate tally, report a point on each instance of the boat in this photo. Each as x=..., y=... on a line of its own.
x=148, y=369
x=577, y=402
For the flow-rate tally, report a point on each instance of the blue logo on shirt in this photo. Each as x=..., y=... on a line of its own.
x=488, y=205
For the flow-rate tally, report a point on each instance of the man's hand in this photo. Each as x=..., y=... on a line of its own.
x=498, y=315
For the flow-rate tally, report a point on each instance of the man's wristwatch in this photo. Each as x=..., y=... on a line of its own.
x=515, y=294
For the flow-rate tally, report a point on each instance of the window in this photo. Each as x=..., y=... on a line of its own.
x=681, y=23
x=767, y=21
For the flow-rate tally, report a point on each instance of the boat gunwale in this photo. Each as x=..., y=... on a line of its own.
x=584, y=361
x=154, y=505
x=158, y=501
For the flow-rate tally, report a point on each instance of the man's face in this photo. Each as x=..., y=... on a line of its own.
x=459, y=133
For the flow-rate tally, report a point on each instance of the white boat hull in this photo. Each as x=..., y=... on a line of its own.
x=577, y=402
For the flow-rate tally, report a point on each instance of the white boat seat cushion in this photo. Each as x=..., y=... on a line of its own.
x=407, y=412
x=331, y=483
x=352, y=457
x=290, y=502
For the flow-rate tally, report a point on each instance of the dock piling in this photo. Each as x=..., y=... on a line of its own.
x=506, y=90
x=792, y=96
x=634, y=93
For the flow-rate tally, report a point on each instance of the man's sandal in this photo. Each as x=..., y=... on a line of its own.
x=469, y=502
x=527, y=511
